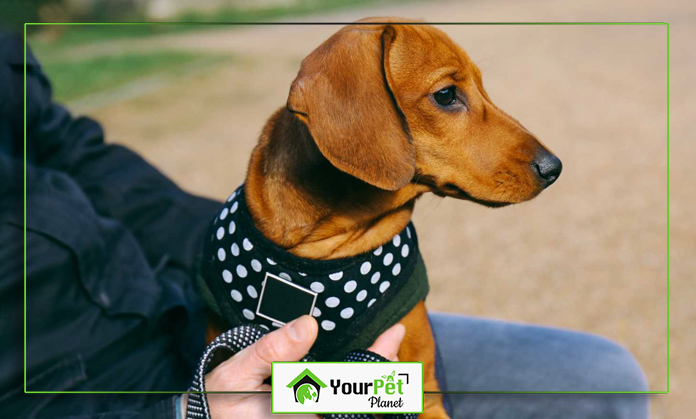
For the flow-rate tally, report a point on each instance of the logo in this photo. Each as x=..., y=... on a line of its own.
x=383, y=393
x=306, y=387
x=347, y=387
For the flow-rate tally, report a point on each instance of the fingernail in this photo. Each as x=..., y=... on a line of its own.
x=299, y=329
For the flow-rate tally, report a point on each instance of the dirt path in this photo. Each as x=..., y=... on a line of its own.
x=589, y=254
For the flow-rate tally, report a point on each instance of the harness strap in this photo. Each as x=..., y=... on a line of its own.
x=246, y=278
x=239, y=338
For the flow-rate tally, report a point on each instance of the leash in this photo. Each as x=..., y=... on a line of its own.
x=239, y=338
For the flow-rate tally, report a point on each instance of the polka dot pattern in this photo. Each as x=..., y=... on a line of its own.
x=248, y=314
x=345, y=290
x=350, y=286
x=383, y=286
x=236, y=295
x=347, y=313
x=227, y=276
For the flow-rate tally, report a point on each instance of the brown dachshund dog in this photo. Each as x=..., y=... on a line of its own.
x=379, y=114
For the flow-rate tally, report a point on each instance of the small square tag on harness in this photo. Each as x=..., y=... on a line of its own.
x=281, y=301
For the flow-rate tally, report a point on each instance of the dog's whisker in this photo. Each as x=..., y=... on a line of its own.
x=434, y=197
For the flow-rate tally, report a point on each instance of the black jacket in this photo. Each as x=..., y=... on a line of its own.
x=111, y=245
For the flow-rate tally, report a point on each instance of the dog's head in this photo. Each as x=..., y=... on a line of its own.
x=393, y=104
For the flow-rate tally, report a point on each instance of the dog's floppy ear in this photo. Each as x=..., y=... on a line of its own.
x=342, y=94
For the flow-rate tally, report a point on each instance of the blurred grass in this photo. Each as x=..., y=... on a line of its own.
x=277, y=11
x=77, y=78
x=90, y=73
x=74, y=35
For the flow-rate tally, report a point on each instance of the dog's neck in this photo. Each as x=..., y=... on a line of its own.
x=298, y=200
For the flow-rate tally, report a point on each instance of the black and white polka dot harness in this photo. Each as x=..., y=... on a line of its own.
x=357, y=298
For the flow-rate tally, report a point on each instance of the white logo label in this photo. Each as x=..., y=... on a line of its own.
x=347, y=387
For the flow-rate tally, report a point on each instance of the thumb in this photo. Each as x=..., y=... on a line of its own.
x=289, y=343
x=387, y=344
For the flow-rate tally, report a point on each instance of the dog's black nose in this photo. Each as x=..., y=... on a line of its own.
x=548, y=167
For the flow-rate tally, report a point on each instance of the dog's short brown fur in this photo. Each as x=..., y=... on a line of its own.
x=338, y=170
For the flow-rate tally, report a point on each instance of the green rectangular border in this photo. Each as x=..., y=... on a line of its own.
x=333, y=24
x=369, y=413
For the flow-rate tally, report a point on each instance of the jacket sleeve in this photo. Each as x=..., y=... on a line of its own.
x=165, y=409
x=119, y=183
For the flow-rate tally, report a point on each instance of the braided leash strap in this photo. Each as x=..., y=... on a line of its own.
x=234, y=340
x=239, y=338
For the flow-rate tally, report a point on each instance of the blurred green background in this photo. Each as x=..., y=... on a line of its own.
x=76, y=76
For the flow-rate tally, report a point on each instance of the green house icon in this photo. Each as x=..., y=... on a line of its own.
x=306, y=387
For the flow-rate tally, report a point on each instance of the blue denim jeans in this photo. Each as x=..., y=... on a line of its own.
x=486, y=355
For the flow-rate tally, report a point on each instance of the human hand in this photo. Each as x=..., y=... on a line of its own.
x=247, y=369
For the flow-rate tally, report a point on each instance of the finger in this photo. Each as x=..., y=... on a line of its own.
x=387, y=344
x=289, y=343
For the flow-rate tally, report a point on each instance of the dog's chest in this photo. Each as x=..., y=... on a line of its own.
x=255, y=281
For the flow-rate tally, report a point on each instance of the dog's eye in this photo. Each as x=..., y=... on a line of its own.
x=446, y=97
